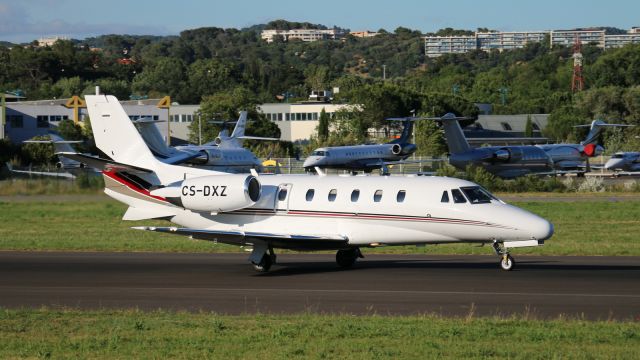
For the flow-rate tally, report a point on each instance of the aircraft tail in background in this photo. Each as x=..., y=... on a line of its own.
x=595, y=129
x=456, y=141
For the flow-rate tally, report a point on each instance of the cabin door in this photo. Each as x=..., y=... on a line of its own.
x=282, y=197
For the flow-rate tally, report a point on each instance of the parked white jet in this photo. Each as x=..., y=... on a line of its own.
x=225, y=153
x=365, y=157
x=302, y=212
x=624, y=161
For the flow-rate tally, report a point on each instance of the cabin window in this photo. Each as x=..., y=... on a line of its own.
x=377, y=196
x=400, y=196
x=310, y=194
x=355, y=194
x=458, y=198
x=282, y=195
x=445, y=197
x=332, y=194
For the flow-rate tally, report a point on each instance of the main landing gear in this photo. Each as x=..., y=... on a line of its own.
x=347, y=257
x=506, y=260
x=262, y=258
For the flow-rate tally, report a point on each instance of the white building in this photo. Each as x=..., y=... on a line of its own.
x=508, y=40
x=302, y=34
x=435, y=46
x=49, y=41
x=568, y=37
x=298, y=121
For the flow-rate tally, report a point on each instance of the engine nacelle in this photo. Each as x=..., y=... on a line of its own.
x=215, y=193
x=396, y=149
x=59, y=165
x=511, y=154
x=502, y=155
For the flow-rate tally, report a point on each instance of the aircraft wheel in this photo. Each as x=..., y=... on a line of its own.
x=264, y=265
x=347, y=257
x=507, y=262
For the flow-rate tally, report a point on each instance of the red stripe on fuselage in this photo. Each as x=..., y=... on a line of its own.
x=114, y=176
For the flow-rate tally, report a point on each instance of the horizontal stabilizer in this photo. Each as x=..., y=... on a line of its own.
x=134, y=214
x=53, y=141
x=286, y=241
x=103, y=164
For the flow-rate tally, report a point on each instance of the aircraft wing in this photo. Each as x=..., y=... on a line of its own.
x=182, y=157
x=103, y=164
x=285, y=241
x=256, y=138
x=380, y=162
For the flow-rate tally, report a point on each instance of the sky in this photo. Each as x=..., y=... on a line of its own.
x=27, y=20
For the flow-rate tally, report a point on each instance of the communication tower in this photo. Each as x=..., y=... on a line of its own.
x=577, y=82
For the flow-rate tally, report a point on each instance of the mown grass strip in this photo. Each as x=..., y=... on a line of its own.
x=107, y=334
x=582, y=228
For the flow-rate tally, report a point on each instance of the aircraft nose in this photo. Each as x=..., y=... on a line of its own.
x=539, y=228
x=612, y=164
x=310, y=162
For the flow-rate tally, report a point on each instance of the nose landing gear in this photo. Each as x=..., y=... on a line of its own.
x=506, y=260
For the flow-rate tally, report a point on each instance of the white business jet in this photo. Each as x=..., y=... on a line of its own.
x=302, y=212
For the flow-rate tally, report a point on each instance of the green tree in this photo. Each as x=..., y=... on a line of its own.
x=528, y=127
x=323, y=126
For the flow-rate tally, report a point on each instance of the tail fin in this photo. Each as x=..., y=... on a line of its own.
x=61, y=145
x=595, y=130
x=456, y=141
x=152, y=137
x=406, y=132
x=238, y=131
x=115, y=134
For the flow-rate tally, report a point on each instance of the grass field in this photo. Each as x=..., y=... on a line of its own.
x=594, y=227
x=132, y=334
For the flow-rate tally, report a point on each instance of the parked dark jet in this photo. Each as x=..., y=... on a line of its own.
x=515, y=161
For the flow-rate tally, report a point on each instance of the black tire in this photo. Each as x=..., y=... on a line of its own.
x=264, y=265
x=347, y=257
x=507, y=263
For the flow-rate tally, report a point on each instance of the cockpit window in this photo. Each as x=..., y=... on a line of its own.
x=445, y=197
x=318, y=153
x=617, y=156
x=477, y=195
x=458, y=198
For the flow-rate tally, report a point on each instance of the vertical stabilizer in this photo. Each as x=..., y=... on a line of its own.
x=153, y=138
x=115, y=134
x=594, y=132
x=407, y=130
x=456, y=140
x=238, y=131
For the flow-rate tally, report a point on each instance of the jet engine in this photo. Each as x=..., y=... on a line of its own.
x=396, y=149
x=215, y=193
x=408, y=149
x=504, y=155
